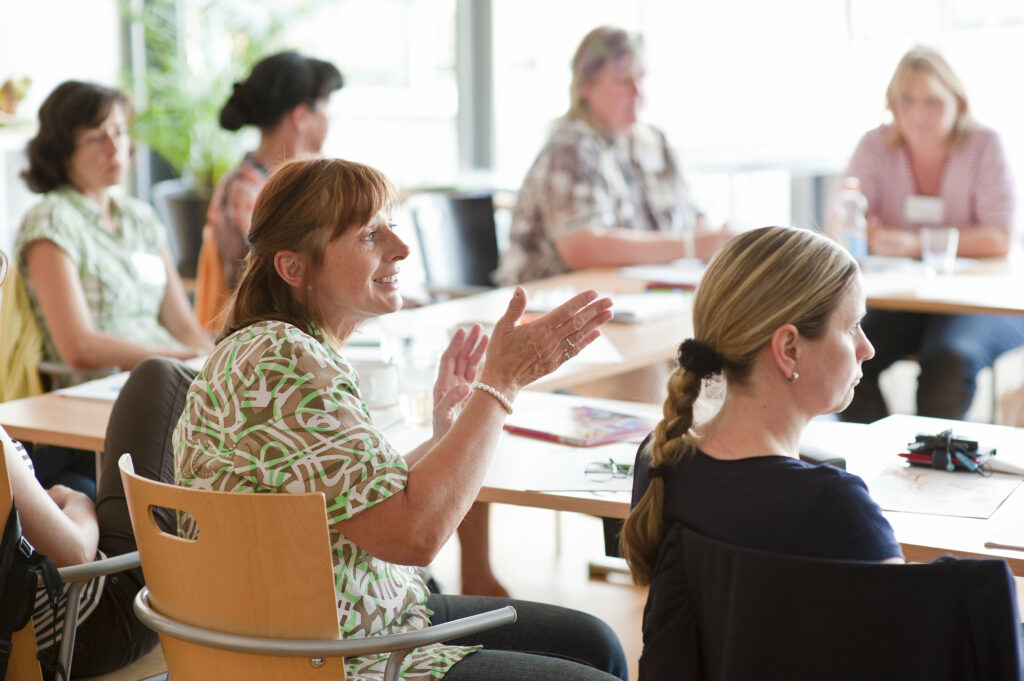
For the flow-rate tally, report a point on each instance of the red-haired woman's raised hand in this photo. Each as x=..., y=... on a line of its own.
x=519, y=354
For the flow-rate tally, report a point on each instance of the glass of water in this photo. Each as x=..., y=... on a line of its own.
x=938, y=249
x=417, y=364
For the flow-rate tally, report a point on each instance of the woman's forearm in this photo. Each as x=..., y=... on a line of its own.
x=63, y=305
x=984, y=242
x=618, y=248
x=60, y=523
x=411, y=527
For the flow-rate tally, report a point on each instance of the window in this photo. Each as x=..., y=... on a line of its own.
x=398, y=108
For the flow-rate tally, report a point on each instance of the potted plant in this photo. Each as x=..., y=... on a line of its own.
x=195, y=51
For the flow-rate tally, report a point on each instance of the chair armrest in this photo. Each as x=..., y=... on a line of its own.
x=77, y=575
x=352, y=647
x=98, y=568
x=61, y=369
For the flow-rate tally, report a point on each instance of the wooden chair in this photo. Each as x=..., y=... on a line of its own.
x=253, y=596
x=23, y=665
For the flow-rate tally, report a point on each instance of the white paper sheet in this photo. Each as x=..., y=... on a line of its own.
x=916, y=489
x=106, y=388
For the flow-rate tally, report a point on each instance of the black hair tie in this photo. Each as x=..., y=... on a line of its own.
x=657, y=472
x=699, y=359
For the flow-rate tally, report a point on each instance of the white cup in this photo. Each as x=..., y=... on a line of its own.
x=378, y=382
x=938, y=249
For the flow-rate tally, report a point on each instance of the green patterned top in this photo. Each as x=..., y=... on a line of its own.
x=121, y=271
x=276, y=409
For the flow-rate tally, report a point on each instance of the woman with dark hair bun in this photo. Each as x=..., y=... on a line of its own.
x=286, y=97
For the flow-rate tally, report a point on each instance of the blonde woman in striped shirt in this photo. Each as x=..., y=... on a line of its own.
x=933, y=164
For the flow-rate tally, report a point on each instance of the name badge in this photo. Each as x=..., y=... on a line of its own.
x=924, y=210
x=150, y=268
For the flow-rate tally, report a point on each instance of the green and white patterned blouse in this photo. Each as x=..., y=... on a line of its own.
x=121, y=271
x=278, y=410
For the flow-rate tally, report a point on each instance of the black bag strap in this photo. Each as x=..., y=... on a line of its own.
x=13, y=581
x=20, y=568
x=44, y=566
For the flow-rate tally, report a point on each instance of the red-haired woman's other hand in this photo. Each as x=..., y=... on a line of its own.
x=457, y=369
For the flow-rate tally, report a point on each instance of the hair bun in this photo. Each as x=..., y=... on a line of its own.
x=699, y=359
x=235, y=112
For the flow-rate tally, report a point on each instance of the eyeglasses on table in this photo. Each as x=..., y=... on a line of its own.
x=601, y=471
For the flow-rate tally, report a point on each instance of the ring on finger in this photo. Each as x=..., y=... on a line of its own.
x=572, y=345
x=565, y=355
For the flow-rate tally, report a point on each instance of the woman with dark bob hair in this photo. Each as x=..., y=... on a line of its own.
x=286, y=97
x=277, y=409
x=94, y=262
x=776, y=328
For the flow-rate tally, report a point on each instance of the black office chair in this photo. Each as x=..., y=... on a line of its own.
x=457, y=239
x=727, y=613
x=141, y=422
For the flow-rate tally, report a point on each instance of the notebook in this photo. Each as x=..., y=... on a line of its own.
x=569, y=420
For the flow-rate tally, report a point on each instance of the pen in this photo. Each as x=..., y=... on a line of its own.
x=966, y=461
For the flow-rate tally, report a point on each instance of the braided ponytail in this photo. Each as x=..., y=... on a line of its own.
x=642, y=533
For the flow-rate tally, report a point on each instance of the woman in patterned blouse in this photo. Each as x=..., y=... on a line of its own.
x=278, y=409
x=286, y=97
x=606, y=190
x=95, y=263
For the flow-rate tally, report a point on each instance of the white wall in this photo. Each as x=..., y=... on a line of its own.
x=49, y=41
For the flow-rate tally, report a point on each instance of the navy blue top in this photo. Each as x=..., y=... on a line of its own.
x=774, y=503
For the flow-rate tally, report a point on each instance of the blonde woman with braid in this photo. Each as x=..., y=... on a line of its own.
x=777, y=320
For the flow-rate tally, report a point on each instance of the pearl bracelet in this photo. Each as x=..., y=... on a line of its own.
x=477, y=385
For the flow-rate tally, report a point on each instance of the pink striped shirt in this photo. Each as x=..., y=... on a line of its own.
x=977, y=187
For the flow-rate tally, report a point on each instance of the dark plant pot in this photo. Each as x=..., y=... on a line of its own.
x=183, y=211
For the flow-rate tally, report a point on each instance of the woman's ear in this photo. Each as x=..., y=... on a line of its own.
x=785, y=347
x=290, y=267
x=299, y=117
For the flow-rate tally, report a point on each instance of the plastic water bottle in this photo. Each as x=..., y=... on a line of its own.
x=851, y=220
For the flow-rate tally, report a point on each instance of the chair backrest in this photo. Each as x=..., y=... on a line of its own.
x=723, y=612
x=22, y=665
x=21, y=343
x=260, y=566
x=23, y=371
x=183, y=211
x=141, y=422
x=212, y=296
x=457, y=238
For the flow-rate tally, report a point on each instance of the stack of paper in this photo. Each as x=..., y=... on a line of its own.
x=629, y=308
x=106, y=388
x=681, y=274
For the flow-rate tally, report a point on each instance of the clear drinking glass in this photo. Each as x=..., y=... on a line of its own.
x=938, y=249
x=417, y=363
